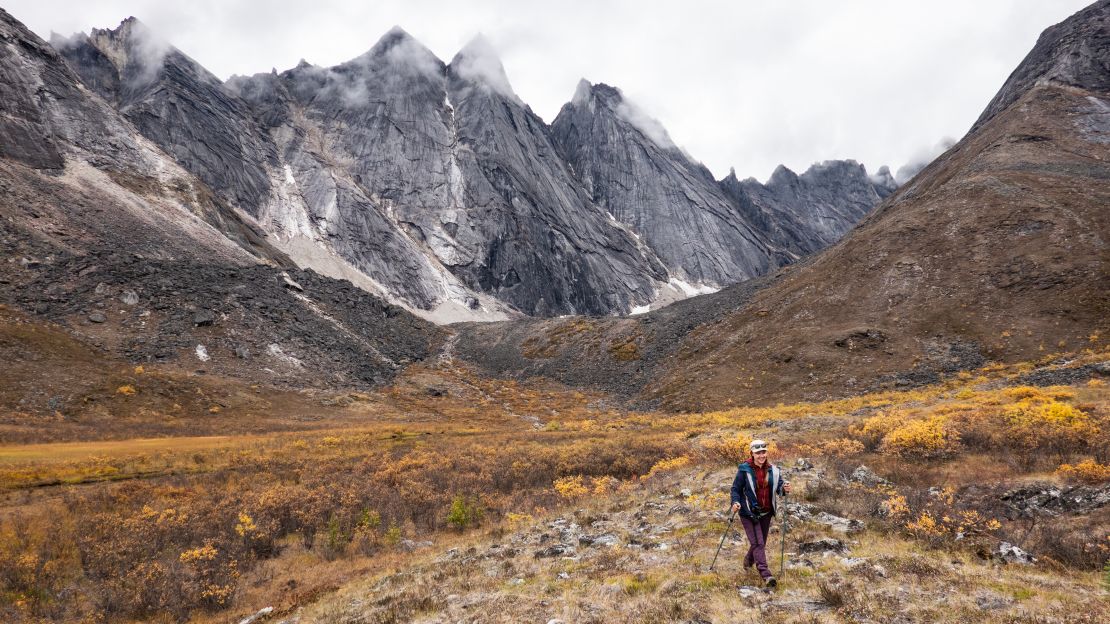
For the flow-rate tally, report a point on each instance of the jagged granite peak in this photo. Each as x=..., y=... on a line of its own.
x=551, y=249
x=106, y=214
x=478, y=62
x=360, y=142
x=808, y=212
x=399, y=52
x=632, y=169
x=109, y=187
x=1073, y=53
x=883, y=182
x=440, y=184
x=180, y=106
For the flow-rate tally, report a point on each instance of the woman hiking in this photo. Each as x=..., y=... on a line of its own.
x=757, y=483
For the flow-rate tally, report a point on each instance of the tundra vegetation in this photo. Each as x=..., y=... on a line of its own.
x=350, y=523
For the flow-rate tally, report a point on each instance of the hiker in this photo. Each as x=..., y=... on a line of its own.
x=757, y=483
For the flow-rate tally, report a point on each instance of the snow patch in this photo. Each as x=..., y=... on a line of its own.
x=674, y=289
x=691, y=290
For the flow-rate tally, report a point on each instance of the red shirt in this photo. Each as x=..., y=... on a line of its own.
x=762, y=487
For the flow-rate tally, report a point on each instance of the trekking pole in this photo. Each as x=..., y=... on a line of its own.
x=723, y=536
x=782, y=552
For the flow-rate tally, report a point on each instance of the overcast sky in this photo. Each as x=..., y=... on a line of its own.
x=736, y=83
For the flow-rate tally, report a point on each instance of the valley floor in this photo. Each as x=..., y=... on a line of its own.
x=451, y=497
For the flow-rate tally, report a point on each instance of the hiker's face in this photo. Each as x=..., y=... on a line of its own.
x=760, y=457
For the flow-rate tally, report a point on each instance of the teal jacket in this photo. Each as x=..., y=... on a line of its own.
x=743, y=490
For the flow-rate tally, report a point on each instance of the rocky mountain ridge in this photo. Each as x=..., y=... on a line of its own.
x=434, y=185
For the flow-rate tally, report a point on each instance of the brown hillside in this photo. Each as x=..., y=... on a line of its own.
x=996, y=251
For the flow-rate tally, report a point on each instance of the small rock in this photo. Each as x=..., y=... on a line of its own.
x=1008, y=553
x=97, y=317
x=101, y=289
x=563, y=576
x=803, y=464
x=517, y=581
x=825, y=544
x=129, y=297
x=242, y=352
x=866, y=476
x=800, y=511
x=254, y=618
x=836, y=523
x=747, y=591
x=554, y=621
x=204, y=318
x=290, y=283
x=605, y=539
x=408, y=545
x=553, y=551
x=202, y=353
x=852, y=562
x=685, y=493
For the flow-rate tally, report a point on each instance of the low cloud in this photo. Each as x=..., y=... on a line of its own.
x=645, y=123
x=479, y=63
x=146, y=52
x=921, y=159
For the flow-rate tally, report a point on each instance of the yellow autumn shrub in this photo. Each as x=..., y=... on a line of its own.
x=1087, y=471
x=1049, y=425
x=928, y=437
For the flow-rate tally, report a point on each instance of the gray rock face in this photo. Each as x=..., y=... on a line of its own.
x=454, y=174
x=808, y=212
x=44, y=114
x=177, y=104
x=1072, y=52
x=633, y=170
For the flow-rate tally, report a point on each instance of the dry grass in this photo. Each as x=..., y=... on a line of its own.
x=205, y=526
x=498, y=578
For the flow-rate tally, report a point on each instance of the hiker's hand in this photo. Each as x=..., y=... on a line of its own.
x=735, y=507
x=786, y=487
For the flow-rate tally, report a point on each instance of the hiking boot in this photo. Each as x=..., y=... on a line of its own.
x=771, y=582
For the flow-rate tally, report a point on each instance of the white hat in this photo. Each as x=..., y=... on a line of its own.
x=757, y=445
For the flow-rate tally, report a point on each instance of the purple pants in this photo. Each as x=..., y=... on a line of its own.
x=756, y=531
